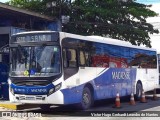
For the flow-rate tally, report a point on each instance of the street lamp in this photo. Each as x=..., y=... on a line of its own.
x=62, y=19
x=51, y=4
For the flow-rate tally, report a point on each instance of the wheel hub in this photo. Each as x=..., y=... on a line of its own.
x=86, y=98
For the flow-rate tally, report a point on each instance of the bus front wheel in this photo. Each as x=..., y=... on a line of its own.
x=87, y=98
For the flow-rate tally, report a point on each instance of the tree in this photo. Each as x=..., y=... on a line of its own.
x=112, y=18
x=120, y=19
x=33, y=5
x=41, y=6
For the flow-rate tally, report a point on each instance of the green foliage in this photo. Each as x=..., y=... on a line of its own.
x=111, y=18
x=33, y=5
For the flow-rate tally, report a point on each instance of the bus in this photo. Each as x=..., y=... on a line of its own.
x=58, y=68
x=158, y=55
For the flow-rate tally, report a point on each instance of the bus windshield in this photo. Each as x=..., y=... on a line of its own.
x=34, y=61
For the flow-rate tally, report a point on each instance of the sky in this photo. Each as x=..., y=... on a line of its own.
x=155, y=21
x=4, y=1
x=148, y=1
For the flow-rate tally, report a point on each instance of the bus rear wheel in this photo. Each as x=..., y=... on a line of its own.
x=87, y=99
x=138, y=90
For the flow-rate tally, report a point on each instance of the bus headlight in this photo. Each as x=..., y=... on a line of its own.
x=51, y=91
x=56, y=88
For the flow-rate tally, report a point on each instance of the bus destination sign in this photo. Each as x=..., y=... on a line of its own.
x=33, y=38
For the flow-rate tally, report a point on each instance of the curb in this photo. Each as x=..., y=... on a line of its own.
x=16, y=106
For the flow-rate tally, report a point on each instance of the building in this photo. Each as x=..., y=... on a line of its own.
x=14, y=20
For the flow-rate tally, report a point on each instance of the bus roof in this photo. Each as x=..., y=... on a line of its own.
x=94, y=39
x=29, y=32
x=107, y=41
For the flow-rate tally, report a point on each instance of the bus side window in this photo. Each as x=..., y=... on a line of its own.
x=65, y=58
x=69, y=56
x=82, y=61
x=87, y=59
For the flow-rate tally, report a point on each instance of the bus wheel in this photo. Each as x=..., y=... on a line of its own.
x=138, y=90
x=45, y=107
x=87, y=99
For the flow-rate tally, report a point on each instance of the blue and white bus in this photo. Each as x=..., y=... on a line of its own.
x=158, y=55
x=59, y=68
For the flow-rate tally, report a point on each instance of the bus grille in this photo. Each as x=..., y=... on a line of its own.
x=30, y=83
x=30, y=98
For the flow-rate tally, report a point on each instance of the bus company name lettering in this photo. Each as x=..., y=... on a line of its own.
x=121, y=75
x=32, y=90
x=19, y=90
x=39, y=90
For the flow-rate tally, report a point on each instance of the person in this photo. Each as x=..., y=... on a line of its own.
x=35, y=66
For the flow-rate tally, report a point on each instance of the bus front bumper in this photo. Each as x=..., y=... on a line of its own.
x=55, y=98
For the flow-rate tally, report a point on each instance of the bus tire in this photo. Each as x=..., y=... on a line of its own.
x=139, y=89
x=87, y=99
x=45, y=107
